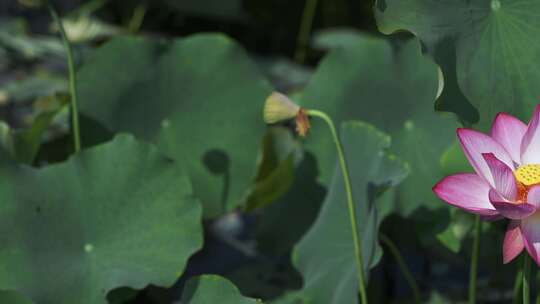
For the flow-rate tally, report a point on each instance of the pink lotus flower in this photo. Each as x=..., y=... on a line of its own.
x=506, y=183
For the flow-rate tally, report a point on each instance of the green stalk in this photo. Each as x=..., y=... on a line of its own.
x=302, y=40
x=535, y=274
x=474, y=260
x=72, y=80
x=526, y=278
x=350, y=203
x=517, y=286
x=403, y=266
x=137, y=19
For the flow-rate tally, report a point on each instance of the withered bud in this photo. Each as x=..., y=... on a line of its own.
x=302, y=122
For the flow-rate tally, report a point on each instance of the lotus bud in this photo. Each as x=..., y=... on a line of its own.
x=279, y=107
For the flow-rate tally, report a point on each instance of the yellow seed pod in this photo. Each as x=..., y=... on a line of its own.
x=528, y=175
x=279, y=107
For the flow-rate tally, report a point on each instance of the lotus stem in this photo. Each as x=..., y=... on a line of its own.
x=350, y=202
x=137, y=19
x=403, y=266
x=517, y=286
x=72, y=79
x=474, y=259
x=302, y=40
x=526, y=279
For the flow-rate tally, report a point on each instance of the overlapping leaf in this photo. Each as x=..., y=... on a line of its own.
x=276, y=168
x=199, y=98
x=287, y=219
x=213, y=289
x=487, y=47
x=366, y=78
x=119, y=214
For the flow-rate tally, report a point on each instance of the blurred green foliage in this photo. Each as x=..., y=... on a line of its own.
x=188, y=79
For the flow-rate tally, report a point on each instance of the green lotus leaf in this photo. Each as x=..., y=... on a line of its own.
x=487, y=48
x=119, y=214
x=200, y=99
x=329, y=270
x=283, y=223
x=276, y=168
x=393, y=88
x=213, y=289
x=12, y=297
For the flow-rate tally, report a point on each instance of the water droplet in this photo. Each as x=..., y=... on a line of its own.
x=88, y=248
x=409, y=125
